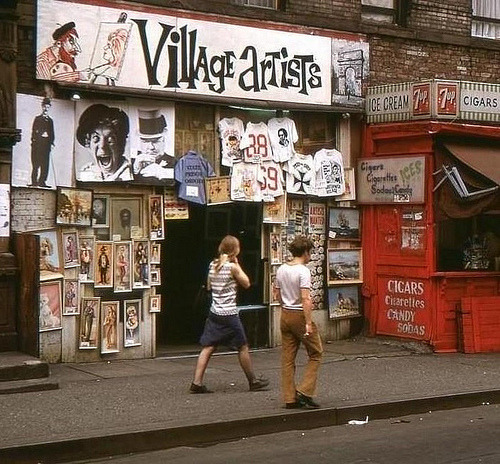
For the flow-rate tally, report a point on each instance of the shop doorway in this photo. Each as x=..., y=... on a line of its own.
x=188, y=248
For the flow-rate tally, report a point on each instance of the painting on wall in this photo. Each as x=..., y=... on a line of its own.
x=74, y=207
x=89, y=323
x=50, y=256
x=344, y=265
x=122, y=252
x=70, y=249
x=344, y=301
x=71, y=297
x=103, y=264
x=343, y=224
x=141, y=259
x=86, y=244
x=132, y=323
x=109, y=326
x=50, y=305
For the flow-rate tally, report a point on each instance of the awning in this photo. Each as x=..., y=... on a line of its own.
x=485, y=159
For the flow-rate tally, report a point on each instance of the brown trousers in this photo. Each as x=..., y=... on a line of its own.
x=293, y=327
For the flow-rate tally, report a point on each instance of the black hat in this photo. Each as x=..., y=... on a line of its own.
x=151, y=123
x=98, y=115
x=46, y=101
x=60, y=31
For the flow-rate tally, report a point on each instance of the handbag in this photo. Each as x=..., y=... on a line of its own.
x=203, y=299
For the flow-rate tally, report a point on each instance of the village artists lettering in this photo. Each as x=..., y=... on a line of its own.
x=190, y=64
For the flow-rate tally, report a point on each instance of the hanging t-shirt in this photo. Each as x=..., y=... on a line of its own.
x=190, y=171
x=272, y=180
x=282, y=134
x=329, y=170
x=300, y=174
x=230, y=132
x=255, y=143
x=246, y=179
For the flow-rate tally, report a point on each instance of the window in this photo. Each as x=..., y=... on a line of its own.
x=386, y=11
x=271, y=4
x=486, y=18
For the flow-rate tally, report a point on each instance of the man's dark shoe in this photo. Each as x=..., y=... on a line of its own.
x=294, y=405
x=199, y=389
x=259, y=384
x=307, y=401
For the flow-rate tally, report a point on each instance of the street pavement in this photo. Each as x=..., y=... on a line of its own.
x=119, y=407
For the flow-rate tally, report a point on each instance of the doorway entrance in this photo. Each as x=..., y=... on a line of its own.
x=188, y=248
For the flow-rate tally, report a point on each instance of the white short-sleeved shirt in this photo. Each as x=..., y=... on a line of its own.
x=290, y=279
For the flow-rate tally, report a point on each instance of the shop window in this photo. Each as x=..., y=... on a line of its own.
x=385, y=11
x=271, y=4
x=486, y=19
x=469, y=244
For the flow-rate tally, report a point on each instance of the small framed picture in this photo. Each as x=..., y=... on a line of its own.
x=109, y=326
x=132, y=323
x=350, y=186
x=89, y=323
x=50, y=305
x=103, y=264
x=273, y=291
x=275, y=248
x=274, y=212
x=155, y=303
x=86, y=245
x=100, y=211
x=141, y=261
x=344, y=301
x=343, y=224
x=218, y=190
x=156, y=224
x=74, y=206
x=122, y=267
x=70, y=249
x=155, y=253
x=50, y=256
x=344, y=266
x=126, y=218
x=155, y=276
x=71, y=297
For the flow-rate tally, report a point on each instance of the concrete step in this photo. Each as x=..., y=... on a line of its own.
x=26, y=386
x=19, y=366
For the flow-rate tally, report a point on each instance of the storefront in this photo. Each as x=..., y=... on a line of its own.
x=429, y=187
x=124, y=244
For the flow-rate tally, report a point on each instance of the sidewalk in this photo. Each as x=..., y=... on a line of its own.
x=128, y=406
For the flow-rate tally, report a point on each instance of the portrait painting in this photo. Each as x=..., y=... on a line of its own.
x=110, y=311
x=156, y=222
x=50, y=257
x=275, y=248
x=344, y=301
x=89, y=323
x=86, y=245
x=71, y=297
x=155, y=278
x=126, y=218
x=70, y=249
x=43, y=158
x=343, y=224
x=100, y=211
x=132, y=323
x=141, y=262
x=155, y=303
x=73, y=206
x=155, y=253
x=344, y=265
x=103, y=264
x=102, y=150
x=50, y=305
x=122, y=252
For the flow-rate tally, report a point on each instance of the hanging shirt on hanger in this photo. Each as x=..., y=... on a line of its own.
x=230, y=132
x=190, y=171
x=329, y=169
x=246, y=179
x=282, y=134
x=272, y=180
x=300, y=174
x=255, y=143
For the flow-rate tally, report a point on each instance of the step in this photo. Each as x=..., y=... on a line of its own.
x=19, y=366
x=26, y=386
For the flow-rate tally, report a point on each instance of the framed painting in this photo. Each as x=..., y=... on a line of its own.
x=122, y=266
x=89, y=323
x=141, y=260
x=344, y=301
x=103, y=264
x=126, y=218
x=100, y=211
x=156, y=224
x=50, y=256
x=343, y=224
x=218, y=190
x=274, y=212
x=275, y=248
x=74, y=206
x=155, y=279
x=70, y=249
x=155, y=303
x=109, y=326
x=71, y=297
x=345, y=266
x=132, y=323
x=86, y=246
x=155, y=253
x=50, y=305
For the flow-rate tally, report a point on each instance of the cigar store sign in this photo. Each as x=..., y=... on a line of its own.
x=391, y=180
x=141, y=48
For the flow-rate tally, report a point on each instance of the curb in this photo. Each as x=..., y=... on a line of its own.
x=205, y=434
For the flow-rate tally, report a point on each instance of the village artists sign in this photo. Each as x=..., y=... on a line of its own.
x=105, y=45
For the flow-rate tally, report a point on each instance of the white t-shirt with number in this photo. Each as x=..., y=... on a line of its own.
x=300, y=174
x=282, y=134
x=230, y=132
x=255, y=143
x=329, y=168
x=272, y=180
